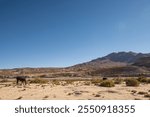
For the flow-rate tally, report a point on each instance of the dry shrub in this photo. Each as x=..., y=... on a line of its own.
x=46, y=96
x=142, y=93
x=132, y=82
x=97, y=95
x=55, y=82
x=69, y=82
x=137, y=99
x=96, y=81
x=142, y=79
x=107, y=83
x=39, y=81
x=87, y=83
x=118, y=80
x=19, y=98
x=147, y=95
x=133, y=91
x=148, y=80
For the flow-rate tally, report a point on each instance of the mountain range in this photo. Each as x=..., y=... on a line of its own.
x=114, y=64
x=117, y=63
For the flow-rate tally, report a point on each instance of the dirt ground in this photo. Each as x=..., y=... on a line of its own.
x=78, y=90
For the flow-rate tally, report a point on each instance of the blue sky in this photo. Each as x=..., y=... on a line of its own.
x=59, y=33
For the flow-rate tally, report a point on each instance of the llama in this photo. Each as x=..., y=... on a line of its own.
x=22, y=79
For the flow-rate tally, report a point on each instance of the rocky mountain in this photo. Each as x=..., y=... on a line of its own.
x=126, y=57
x=113, y=60
x=114, y=64
x=143, y=62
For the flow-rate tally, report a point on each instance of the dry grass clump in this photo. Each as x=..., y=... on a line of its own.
x=55, y=82
x=39, y=81
x=69, y=82
x=132, y=82
x=147, y=95
x=142, y=93
x=46, y=96
x=118, y=80
x=96, y=81
x=148, y=80
x=97, y=95
x=143, y=79
x=107, y=83
x=19, y=98
x=134, y=91
x=87, y=83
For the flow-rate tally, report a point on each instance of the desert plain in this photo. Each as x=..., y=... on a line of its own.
x=70, y=89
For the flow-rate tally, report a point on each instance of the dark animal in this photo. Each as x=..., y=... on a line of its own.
x=22, y=79
x=104, y=78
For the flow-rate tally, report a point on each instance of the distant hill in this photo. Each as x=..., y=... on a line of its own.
x=114, y=64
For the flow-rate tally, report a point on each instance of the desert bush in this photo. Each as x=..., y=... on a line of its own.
x=148, y=80
x=133, y=91
x=96, y=81
x=87, y=83
x=118, y=80
x=43, y=76
x=147, y=95
x=46, y=96
x=19, y=98
x=55, y=82
x=132, y=82
x=69, y=81
x=142, y=93
x=142, y=79
x=39, y=80
x=107, y=83
x=65, y=74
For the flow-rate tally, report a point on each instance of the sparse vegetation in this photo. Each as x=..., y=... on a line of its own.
x=133, y=91
x=137, y=99
x=148, y=80
x=55, y=82
x=143, y=79
x=147, y=95
x=69, y=82
x=46, y=96
x=96, y=81
x=97, y=95
x=19, y=98
x=39, y=81
x=87, y=83
x=142, y=93
x=107, y=83
x=132, y=82
x=118, y=80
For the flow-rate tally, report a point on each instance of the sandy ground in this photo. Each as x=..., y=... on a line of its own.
x=76, y=91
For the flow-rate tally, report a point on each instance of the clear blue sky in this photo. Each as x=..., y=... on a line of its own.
x=57, y=33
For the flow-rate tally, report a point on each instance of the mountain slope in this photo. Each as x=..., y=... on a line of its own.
x=143, y=62
x=114, y=64
x=113, y=60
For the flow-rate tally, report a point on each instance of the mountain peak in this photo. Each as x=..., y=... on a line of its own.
x=127, y=57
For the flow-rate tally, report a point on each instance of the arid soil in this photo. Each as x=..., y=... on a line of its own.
x=77, y=90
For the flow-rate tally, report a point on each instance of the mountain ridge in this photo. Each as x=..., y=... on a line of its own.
x=113, y=64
